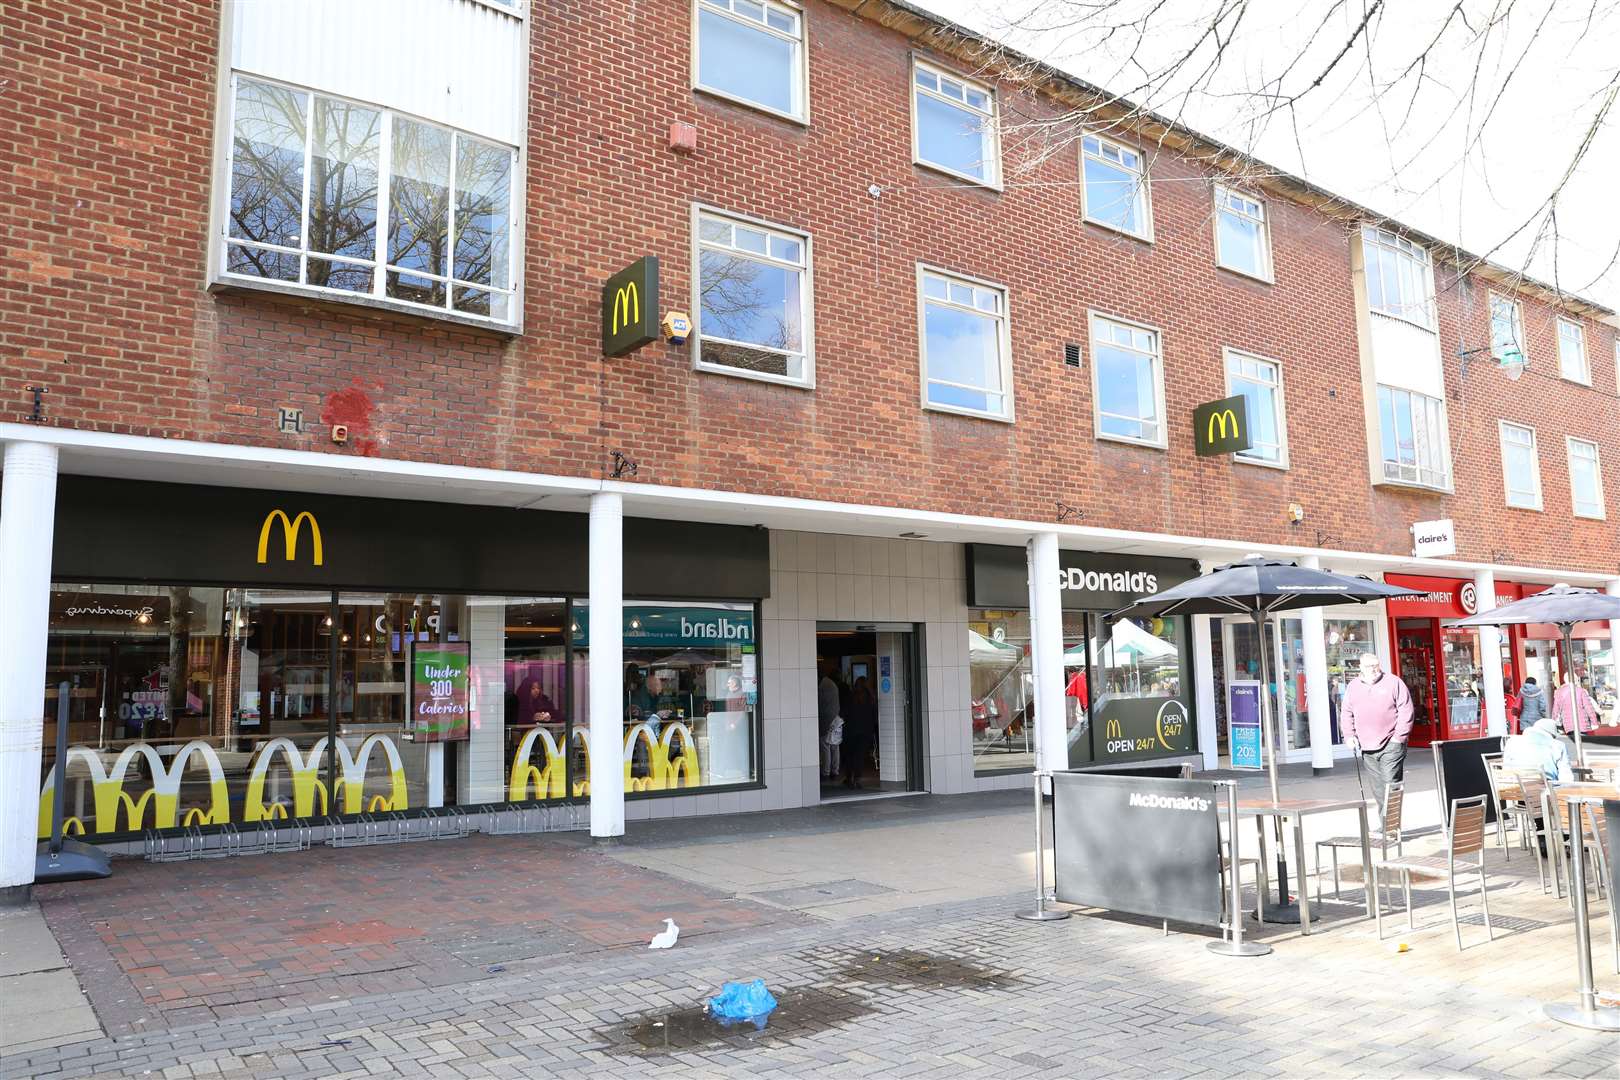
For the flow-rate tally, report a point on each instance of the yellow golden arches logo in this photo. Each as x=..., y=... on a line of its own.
x=1112, y=729
x=626, y=301
x=290, y=528
x=1219, y=420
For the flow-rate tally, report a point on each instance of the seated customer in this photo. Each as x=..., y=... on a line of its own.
x=1538, y=749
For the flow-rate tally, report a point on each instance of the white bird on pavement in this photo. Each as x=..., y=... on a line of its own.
x=665, y=938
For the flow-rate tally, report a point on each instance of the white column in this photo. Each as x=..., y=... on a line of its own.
x=1613, y=589
x=27, y=525
x=1490, y=660
x=1046, y=653
x=607, y=665
x=1316, y=680
x=1204, y=691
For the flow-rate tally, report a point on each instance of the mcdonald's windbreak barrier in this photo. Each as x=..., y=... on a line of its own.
x=1138, y=844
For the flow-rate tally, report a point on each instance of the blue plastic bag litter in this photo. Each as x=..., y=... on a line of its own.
x=740, y=1001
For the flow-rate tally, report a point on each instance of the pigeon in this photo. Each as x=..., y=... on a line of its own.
x=665, y=938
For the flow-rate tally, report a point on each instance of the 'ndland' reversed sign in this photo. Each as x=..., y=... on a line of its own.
x=1222, y=427
x=630, y=307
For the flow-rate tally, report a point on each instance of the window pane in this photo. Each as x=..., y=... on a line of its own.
x=1241, y=243
x=1126, y=393
x=483, y=212
x=261, y=262
x=267, y=167
x=752, y=64
x=963, y=347
x=331, y=274
x=750, y=302
x=1405, y=440
x=343, y=180
x=951, y=136
x=1111, y=195
x=1386, y=422
x=1262, y=402
x=418, y=290
x=419, y=200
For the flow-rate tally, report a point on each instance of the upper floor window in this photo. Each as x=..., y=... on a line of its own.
x=752, y=51
x=1127, y=372
x=1242, y=241
x=1412, y=431
x=753, y=298
x=349, y=199
x=1398, y=277
x=1113, y=187
x=1521, y=471
x=954, y=125
x=1260, y=383
x=1572, y=362
x=1585, y=478
x=964, y=346
x=1507, y=330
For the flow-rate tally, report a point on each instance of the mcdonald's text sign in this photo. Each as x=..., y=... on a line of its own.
x=630, y=307
x=1222, y=427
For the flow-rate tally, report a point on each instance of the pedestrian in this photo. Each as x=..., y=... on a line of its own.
x=1511, y=704
x=1532, y=703
x=860, y=731
x=1378, y=721
x=1571, y=702
x=826, y=713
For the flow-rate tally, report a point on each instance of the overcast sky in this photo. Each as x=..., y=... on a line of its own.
x=1446, y=162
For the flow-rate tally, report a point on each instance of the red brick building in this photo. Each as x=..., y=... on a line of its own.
x=234, y=237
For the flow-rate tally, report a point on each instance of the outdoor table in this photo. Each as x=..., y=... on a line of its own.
x=1588, y=791
x=1586, y=1013
x=1297, y=810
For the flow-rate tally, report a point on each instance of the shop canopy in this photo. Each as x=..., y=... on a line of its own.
x=983, y=650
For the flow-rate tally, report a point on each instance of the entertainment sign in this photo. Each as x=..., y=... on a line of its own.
x=440, y=679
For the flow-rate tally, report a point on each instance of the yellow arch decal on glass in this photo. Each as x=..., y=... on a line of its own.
x=109, y=796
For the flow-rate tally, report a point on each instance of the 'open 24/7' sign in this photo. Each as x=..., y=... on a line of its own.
x=630, y=307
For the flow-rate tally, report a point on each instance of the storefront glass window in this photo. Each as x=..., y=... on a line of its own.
x=691, y=685
x=1464, y=668
x=1141, y=697
x=1347, y=639
x=1002, y=688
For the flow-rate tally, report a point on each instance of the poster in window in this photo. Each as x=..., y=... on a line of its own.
x=439, y=703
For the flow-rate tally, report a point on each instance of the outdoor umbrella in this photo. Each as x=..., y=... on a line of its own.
x=1256, y=587
x=1563, y=606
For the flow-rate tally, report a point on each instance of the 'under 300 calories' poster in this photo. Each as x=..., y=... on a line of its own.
x=440, y=677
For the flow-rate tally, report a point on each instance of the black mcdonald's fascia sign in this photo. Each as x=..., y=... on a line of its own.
x=630, y=307
x=1222, y=427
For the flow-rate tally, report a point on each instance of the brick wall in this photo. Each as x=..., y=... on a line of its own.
x=105, y=159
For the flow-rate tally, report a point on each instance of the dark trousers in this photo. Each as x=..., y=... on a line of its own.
x=1385, y=766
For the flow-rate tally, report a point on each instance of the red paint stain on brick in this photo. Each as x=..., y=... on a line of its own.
x=354, y=408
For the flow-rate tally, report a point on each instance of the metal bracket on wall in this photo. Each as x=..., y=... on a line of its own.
x=39, y=392
x=622, y=466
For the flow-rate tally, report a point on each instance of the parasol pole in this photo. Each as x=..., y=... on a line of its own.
x=1574, y=689
x=1271, y=740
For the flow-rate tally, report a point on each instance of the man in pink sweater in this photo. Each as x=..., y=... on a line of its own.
x=1377, y=722
x=1572, y=702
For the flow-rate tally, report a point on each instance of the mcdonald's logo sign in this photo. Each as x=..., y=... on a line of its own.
x=290, y=529
x=1222, y=427
x=630, y=307
x=1113, y=730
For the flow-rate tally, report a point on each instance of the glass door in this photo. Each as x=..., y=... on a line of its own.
x=1415, y=655
x=869, y=694
x=1465, y=680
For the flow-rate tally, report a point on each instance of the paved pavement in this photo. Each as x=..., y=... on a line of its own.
x=946, y=985
x=41, y=1004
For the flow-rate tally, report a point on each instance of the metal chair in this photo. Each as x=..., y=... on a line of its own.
x=1507, y=798
x=1563, y=843
x=1261, y=884
x=1599, y=847
x=1464, y=838
x=1532, y=795
x=1388, y=833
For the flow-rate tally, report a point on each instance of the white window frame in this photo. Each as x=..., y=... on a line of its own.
x=1227, y=356
x=1423, y=275
x=1222, y=206
x=1143, y=187
x=801, y=54
x=806, y=299
x=1502, y=427
x=1570, y=442
x=1163, y=441
x=1518, y=326
x=1585, y=377
x=992, y=120
x=379, y=265
x=1003, y=342
x=1440, y=439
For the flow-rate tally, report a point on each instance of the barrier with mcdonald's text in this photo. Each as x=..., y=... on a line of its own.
x=1137, y=844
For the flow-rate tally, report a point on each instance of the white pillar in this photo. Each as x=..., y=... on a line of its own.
x=27, y=525
x=1314, y=637
x=1204, y=691
x=1490, y=660
x=1046, y=653
x=607, y=664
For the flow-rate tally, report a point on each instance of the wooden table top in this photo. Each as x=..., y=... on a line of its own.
x=1296, y=806
x=1589, y=791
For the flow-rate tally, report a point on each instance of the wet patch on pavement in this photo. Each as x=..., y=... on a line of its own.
x=911, y=967
x=804, y=1011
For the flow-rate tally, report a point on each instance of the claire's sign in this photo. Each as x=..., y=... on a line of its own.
x=440, y=677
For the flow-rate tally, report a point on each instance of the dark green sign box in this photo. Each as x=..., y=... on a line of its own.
x=630, y=307
x=1222, y=427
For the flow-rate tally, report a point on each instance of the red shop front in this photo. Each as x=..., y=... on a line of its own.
x=1443, y=665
